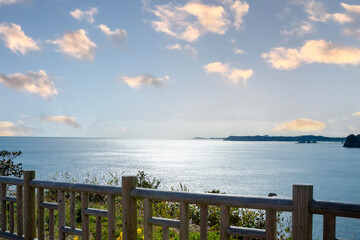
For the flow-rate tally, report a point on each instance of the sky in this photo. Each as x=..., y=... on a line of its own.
x=158, y=69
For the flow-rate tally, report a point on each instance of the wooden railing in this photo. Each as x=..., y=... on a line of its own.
x=29, y=197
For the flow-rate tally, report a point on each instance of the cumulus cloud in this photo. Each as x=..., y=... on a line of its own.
x=85, y=15
x=15, y=39
x=299, y=29
x=6, y=2
x=301, y=125
x=319, y=51
x=34, y=82
x=351, y=8
x=317, y=12
x=76, y=44
x=234, y=75
x=190, y=51
x=70, y=121
x=240, y=9
x=356, y=114
x=190, y=21
x=137, y=82
x=238, y=51
x=352, y=128
x=11, y=129
x=118, y=36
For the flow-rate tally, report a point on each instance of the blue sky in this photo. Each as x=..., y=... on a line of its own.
x=180, y=69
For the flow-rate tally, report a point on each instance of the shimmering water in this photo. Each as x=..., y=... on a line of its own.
x=247, y=168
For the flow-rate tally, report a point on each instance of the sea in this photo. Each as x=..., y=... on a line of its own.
x=245, y=168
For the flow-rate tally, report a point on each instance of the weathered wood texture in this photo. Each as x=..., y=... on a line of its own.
x=329, y=227
x=203, y=221
x=301, y=216
x=270, y=224
x=302, y=205
x=148, y=228
x=29, y=206
x=129, y=218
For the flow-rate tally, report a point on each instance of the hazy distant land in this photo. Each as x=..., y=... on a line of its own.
x=267, y=138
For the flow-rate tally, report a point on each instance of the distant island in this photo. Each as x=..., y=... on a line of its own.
x=352, y=141
x=267, y=138
x=300, y=139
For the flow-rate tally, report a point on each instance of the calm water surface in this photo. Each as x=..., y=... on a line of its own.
x=247, y=168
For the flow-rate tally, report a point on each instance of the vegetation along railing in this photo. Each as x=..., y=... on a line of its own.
x=19, y=219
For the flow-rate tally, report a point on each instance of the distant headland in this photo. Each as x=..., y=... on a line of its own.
x=352, y=141
x=267, y=138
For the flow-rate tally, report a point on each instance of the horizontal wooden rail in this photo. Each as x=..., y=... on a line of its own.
x=9, y=199
x=12, y=180
x=165, y=222
x=96, y=212
x=246, y=232
x=68, y=230
x=278, y=204
x=340, y=209
x=9, y=235
x=77, y=187
x=49, y=205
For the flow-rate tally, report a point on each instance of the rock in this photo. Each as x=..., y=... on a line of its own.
x=352, y=141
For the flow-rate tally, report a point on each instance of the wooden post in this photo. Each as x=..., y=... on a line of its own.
x=51, y=225
x=301, y=216
x=184, y=221
x=98, y=228
x=128, y=208
x=203, y=222
x=148, y=228
x=165, y=233
x=19, y=210
x=72, y=210
x=61, y=214
x=41, y=215
x=329, y=227
x=85, y=217
x=29, y=206
x=270, y=224
x=111, y=218
x=3, y=208
x=224, y=222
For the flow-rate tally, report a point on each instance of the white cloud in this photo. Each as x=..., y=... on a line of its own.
x=319, y=51
x=11, y=129
x=240, y=10
x=70, y=121
x=33, y=82
x=137, y=82
x=301, y=125
x=190, y=21
x=342, y=18
x=5, y=2
x=234, y=75
x=190, y=51
x=352, y=128
x=15, y=38
x=86, y=15
x=352, y=32
x=76, y=44
x=317, y=12
x=351, y=8
x=118, y=36
x=356, y=114
x=238, y=51
x=300, y=29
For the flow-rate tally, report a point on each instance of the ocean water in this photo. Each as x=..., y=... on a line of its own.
x=246, y=168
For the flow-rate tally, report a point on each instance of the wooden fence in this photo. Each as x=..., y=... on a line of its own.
x=30, y=197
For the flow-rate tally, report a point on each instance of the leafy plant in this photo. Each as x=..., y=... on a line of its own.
x=7, y=165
